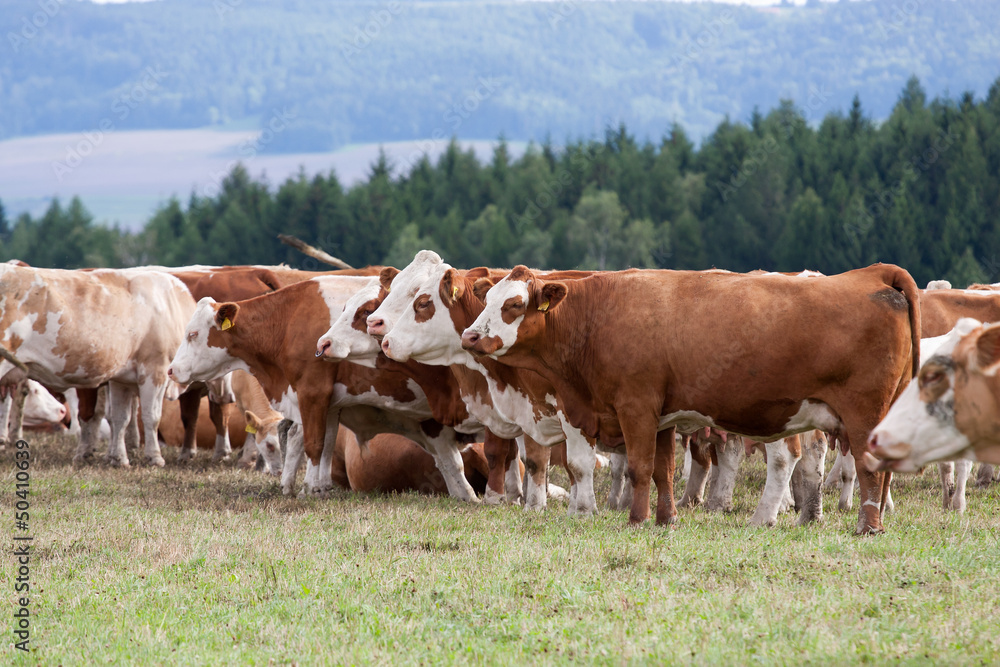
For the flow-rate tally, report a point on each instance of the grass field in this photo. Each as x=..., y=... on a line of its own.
x=210, y=565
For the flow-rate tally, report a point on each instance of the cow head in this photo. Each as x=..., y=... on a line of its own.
x=41, y=407
x=515, y=312
x=400, y=288
x=348, y=339
x=951, y=408
x=204, y=355
x=265, y=434
x=414, y=317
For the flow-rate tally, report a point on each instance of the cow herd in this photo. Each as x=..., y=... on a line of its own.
x=442, y=380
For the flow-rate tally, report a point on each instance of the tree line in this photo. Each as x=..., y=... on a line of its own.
x=921, y=189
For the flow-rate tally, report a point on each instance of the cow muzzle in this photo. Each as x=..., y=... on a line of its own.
x=475, y=343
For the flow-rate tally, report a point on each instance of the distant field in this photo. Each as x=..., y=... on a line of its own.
x=125, y=175
x=213, y=566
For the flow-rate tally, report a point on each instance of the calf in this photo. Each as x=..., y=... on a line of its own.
x=274, y=337
x=827, y=353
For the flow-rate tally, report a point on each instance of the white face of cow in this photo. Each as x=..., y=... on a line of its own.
x=348, y=339
x=196, y=360
x=920, y=426
x=41, y=407
x=424, y=330
x=506, y=304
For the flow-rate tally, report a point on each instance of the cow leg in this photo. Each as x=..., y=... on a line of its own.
x=132, y=438
x=294, y=450
x=120, y=406
x=151, y=396
x=73, y=411
x=536, y=468
x=581, y=457
x=686, y=469
x=848, y=475
x=5, y=407
x=640, y=447
x=723, y=478
x=947, y=471
x=617, y=463
x=319, y=474
x=190, y=405
x=220, y=414
x=870, y=511
x=781, y=460
x=512, y=482
x=963, y=469
x=985, y=475
x=833, y=478
x=19, y=398
x=91, y=407
x=664, y=467
x=447, y=452
x=701, y=463
x=497, y=451
x=807, y=479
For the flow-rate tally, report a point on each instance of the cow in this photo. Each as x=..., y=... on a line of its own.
x=391, y=463
x=828, y=353
x=951, y=412
x=420, y=318
x=274, y=337
x=84, y=329
x=40, y=409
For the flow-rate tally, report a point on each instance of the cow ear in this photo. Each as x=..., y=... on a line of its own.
x=452, y=287
x=254, y=423
x=550, y=295
x=225, y=315
x=988, y=350
x=386, y=275
x=477, y=273
x=269, y=279
x=481, y=287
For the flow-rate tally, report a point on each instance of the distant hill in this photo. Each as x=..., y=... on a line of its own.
x=326, y=74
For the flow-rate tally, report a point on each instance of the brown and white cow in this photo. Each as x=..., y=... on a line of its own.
x=427, y=306
x=38, y=409
x=952, y=411
x=274, y=337
x=82, y=329
x=626, y=352
x=390, y=463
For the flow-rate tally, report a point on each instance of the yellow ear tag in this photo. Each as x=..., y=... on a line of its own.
x=251, y=430
x=454, y=292
x=544, y=307
x=227, y=324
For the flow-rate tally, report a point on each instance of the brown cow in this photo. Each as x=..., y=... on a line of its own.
x=274, y=337
x=823, y=352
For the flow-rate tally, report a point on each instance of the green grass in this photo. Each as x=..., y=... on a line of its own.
x=213, y=566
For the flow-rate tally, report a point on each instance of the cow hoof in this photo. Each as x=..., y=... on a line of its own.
x=492, y=497
x=82, y=461
x=763, y=522
x=185, y=456
x=245, y=465
x=869, y=530
x=288, y=490
x=154, y=461
x=220, y=459
x=845, y=507
x=718, y=507
x=116, y=462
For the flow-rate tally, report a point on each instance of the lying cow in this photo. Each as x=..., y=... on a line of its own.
x=828, y=353
x=40, y=409
x=951, y=412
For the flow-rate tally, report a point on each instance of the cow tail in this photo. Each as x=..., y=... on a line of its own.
x=903, y=282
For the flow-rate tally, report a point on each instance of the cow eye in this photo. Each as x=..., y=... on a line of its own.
x=932, y=377
x=192, y=335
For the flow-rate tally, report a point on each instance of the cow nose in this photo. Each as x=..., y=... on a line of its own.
x=324, y=345
x=469, y=339
x=385, y=347
x=170, y=371
x=376, y=326
x=873, y=442
x=62, y=412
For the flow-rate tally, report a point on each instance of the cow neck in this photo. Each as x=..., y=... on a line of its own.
x=263, y=326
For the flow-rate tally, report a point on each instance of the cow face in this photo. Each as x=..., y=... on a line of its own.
x=265, y=433
x=514, y=313
x=401, y=287
x=348, y=339
x=933, y=418
x=204, y=355
x=41, y=407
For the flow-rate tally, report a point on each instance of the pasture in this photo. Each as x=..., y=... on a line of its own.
x=210, y=565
